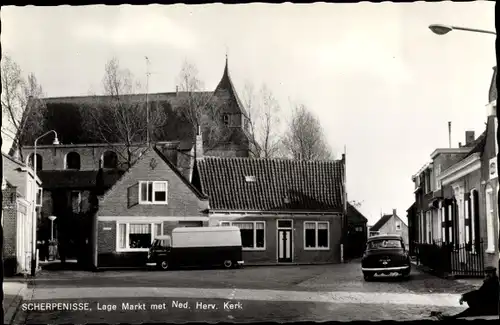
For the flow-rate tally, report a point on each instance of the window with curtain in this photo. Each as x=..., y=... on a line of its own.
x=138, y=236
x=316, y=235
x=252, y=233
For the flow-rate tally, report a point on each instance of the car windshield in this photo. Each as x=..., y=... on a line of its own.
x=385, y=243
x=161, y=243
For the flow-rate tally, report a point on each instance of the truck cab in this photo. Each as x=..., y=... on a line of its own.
x=159, y=251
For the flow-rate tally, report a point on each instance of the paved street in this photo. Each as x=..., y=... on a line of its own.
x=291, y=293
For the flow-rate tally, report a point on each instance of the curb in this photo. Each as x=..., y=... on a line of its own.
x=13, y=308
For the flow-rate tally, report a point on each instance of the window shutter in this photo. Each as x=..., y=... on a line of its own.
x=133, y=195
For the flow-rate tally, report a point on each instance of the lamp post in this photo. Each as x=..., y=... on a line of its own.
x=34, y=195
x=52, y=218
x=445, y=29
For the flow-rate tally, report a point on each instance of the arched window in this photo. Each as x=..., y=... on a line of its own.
x=109, y=160
x=39, y=163
x=72, y=161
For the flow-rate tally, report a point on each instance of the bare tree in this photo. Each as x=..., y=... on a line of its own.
x=304, y=138
x=263, y=110
x=23, y=109
x=121, y=117
x=201, y=109
x=356, y=204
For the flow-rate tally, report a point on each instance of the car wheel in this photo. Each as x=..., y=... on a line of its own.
x=228, y=264
x=368, y=276
x=405, y=274
x=164, y=265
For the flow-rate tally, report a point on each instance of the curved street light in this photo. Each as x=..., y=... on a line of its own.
x=445, y=29
x=34, y=194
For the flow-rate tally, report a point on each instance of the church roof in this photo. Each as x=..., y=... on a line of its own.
x=63, y=113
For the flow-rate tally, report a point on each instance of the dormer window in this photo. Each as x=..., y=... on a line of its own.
x=225, y=119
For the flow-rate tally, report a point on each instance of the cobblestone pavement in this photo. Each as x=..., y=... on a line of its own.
x=318, y=293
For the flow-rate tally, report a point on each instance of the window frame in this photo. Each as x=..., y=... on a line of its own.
x=398, y=225
x=127, y=235
x=153, y=202
x=316, y=248
x=254, y=248
x=225, y=119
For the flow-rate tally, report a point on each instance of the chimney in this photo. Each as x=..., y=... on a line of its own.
x=176, y=90
x=469, y=137
x=460, y=144
x=394, y=212
x=199, y=144
x=449, y=133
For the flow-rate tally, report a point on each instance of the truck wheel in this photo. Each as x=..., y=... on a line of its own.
x=164, y=265
x=228, y=264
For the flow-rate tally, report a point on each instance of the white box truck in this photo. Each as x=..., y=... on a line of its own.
x=197, y=246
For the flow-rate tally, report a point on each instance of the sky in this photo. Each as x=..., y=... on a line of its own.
x=382, y=84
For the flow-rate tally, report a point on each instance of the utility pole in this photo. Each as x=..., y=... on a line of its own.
x=147, y=99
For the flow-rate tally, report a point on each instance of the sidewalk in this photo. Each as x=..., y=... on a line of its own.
x=13, y=296
x=475, y=282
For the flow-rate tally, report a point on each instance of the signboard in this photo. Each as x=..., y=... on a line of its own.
x=106, y=228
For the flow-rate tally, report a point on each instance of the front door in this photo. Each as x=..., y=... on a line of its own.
x=285, y=241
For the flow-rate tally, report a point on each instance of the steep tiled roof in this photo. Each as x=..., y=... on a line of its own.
x=54, y=179
x=382, y=221
x=63, y=113
x=243, y=184
x=226, y=86
x=353, y=214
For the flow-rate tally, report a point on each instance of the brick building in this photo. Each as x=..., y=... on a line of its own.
x=288, y=211
x=17, y=214
x=391, y=224
x=150, y=199
x=82, y=166
x=456, y=197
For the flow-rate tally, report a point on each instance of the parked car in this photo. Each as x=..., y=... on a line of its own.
x=385, y=254
x=197, y=246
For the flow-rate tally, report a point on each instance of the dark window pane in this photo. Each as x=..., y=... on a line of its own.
x=144, y=191
x=160, y=196
x=150, y=191
x=310, y=238
x=260, y=237
x=247, y=237
x=322, y=237
x=140, y=240
x=285, y=223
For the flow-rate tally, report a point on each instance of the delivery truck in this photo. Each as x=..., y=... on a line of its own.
x=197, y=246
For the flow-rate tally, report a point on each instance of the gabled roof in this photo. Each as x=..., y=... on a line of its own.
x=353, y=214
x=243, y=184
x=381, y=222
x=63, y=113
x=170, y=165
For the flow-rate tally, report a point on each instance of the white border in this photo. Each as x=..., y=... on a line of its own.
x=316, y=229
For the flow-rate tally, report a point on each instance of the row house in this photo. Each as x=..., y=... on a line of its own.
x=288, y=212
x=456, y=197
x=21, y=194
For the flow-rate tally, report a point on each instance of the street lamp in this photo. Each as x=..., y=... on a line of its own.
x=34, y=194
x=445, y=29
x=52, y=218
